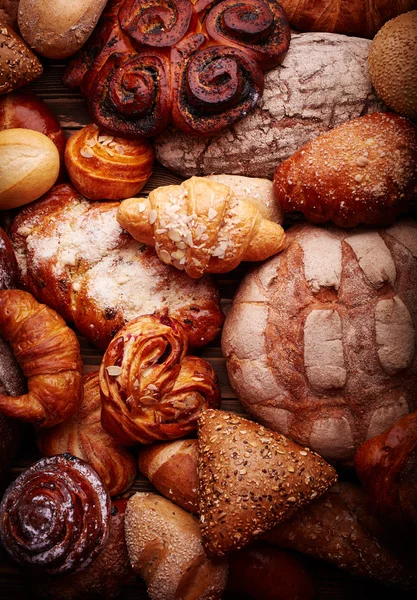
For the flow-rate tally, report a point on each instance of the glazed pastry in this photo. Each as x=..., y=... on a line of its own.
x=201, y=226
x=83, y=435
x=104, y=577
x=250, y=479
x=387, y=468
x=25, y=110
x=151, y=390
x=75, y=257
x=206, y=76
x=375, y=159
x=18, y=65
x=164, y=545
x=101, y=166
x=48, y=353
x=55, y=516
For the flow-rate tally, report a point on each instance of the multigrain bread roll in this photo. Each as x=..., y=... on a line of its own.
x=29, y=166
x=75, y=257
x=364, y=171
x=164, y=545
x=18, y=65
x=320, y=340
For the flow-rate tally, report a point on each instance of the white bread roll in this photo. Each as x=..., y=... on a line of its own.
x=29, y=166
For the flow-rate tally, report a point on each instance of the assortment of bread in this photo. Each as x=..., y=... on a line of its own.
x=319, y=340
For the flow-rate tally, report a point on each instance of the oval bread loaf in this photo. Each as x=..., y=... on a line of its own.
x=56, y=28
x=29, y=166
x=322, y=83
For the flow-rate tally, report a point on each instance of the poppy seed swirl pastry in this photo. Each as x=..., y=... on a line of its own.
x=151, y=390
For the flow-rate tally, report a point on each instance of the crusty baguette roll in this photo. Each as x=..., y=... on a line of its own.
x=29, y=166
x=57, y=28
x=18, y=65
x=364, y=171
x=172, y=468
x=256, y=191
x=201, y=227
x=164, y=545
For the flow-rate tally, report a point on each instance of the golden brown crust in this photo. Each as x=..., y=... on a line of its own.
x=75, y=257
x=201, y=226
x=83, y=435
x=341, y=528
x=18, y=65
x=172, y=468
x=358, y=18
x=49, y=355
x=102, y=166
x=364, y=171
x=151, y=390
x=8, y=265
x=387, y=468
x=250, y=479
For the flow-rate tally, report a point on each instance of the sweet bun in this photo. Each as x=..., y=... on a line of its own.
x=320, y=340
x=18, y=65
x=29, y=166
x=102, y=166
x=364, y=171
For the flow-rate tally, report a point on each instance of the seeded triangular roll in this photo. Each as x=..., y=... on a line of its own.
x=250, y=479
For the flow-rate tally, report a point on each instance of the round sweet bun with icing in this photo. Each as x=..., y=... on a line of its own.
x=320, y=341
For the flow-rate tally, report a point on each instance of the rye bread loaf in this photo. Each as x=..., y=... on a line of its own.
x=320, y=340
x=322, y=82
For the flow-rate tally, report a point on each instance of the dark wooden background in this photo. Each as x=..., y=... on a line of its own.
x=330, y=582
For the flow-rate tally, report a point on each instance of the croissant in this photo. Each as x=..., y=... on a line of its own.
x=101, y=166
x=49, y=355
x=56, y=515
x=150, y=389
x=387, y=468
x=200, y=226
x=84, y=436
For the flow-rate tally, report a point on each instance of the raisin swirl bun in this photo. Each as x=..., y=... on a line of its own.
x=150, y=389
x=55, y=516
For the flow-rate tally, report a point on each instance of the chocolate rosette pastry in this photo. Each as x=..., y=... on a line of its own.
x=150, y=389
x=259, y=27
x=56, y=515
x=214, y=86
x=158, y=24
x=131, y=95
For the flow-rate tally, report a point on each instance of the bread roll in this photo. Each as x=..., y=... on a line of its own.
x=164, y=545
x=57, y=28
x=29, y=166
x=18, y=65
x=8, y=12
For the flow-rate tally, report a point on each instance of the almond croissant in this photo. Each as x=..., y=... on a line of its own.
x=49, y=355
x=84, y=436
x=201, y=227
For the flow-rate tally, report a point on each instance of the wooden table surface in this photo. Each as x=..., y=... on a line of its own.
x=330, y=582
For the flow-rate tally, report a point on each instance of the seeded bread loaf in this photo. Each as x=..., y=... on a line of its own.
x=322, y=82
x=320, y=340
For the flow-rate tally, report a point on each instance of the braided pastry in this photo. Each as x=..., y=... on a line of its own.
x=196, y=63
x=150, y=389
x=55, y=515
x=201, y=226
x=101, y=166
x=49, y=355
x=84, y=436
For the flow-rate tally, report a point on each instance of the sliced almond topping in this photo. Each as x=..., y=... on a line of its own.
x=86, y=152
x=120, y=149
x=114, y=370
x=141, y=207
x=212, y=214
x=165, y=256
x=91, y=142
x=178, y=254
x=152, y=216
x=174, y=235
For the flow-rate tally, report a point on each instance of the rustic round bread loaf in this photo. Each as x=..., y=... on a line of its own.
x=320, y=340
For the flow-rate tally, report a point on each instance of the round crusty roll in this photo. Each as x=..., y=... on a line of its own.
x=57, y=28
x=29, y=166
x=8, y=12
x=320, y=342
x=364, y=171
x=18, y=65
x=164, y=545
x=102, y=166
x=26, y=110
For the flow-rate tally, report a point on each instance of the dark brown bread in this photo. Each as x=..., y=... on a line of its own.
x=18, y=65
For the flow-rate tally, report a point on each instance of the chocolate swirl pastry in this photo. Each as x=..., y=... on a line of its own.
x=217, y=49
x=150, y=389
x=56, y=515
